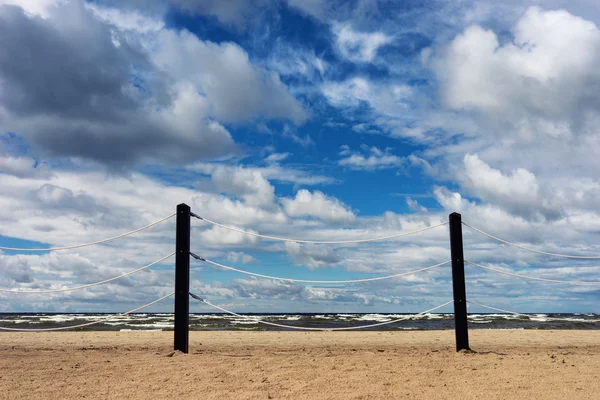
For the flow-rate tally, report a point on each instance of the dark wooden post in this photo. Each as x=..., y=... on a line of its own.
x=182, y=278
x=458, y=283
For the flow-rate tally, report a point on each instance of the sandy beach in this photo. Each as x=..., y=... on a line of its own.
x=315, y=365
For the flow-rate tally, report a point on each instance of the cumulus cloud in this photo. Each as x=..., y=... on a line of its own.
x=547, y=71
x=519, y=187
x=237, y=90
x=312, y=256
x=106, y=87
x=119, y=86
x=532, y=100
x=248, y=183
x=76, y=96
x=317, y=205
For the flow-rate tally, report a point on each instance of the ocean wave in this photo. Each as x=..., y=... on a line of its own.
x=164, y=321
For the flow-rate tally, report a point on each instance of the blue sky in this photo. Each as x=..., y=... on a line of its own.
x=310, y=119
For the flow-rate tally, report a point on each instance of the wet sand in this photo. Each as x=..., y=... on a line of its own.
x=519, y=364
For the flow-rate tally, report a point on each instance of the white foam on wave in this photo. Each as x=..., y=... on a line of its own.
x=538, y=317
x=379, y=317
x=17, y=321
x=434, y=316
x=244, y=322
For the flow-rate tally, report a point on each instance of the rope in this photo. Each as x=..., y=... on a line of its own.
x=525, y=315
x=88, y=285
x=527, y=248
x=306, y=328
x=92, y=243
x=531, y=277
x=318, y=241
x=87, y=323
x=315, y=281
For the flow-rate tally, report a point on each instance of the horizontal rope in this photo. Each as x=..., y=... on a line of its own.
x=89, y=244
x=62, y=328
x=527, y=248
x=527, y=315
x=318, y=281
x=318, y=241
x=531, y=277
x=306, y=328
x=85, y=286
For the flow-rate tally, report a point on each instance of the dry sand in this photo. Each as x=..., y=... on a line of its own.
x=316, y=365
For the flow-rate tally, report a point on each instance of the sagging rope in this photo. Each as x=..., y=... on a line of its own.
x=92, y=243
x=527, y=248
x=531, y=277
x=62, y=328
x=231, y=228
x=378, y=278
x=306, y=328
x=527, y=315
x=87, y=285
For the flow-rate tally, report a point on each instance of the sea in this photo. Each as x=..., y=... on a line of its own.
x=216, y=322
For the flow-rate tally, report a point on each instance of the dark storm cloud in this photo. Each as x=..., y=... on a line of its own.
x=74, y=88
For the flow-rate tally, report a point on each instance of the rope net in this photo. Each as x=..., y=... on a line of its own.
x=69, y=289
x=527, y=248
x=532, y=278
x=91, y=243
x=306, y=328
x=111, y=317
x=378, y=278
x=350, y=241
x=475, y=303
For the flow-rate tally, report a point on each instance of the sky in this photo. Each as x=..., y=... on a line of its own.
x=310, y=119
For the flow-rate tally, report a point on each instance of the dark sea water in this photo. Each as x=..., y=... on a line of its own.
x=200, y=322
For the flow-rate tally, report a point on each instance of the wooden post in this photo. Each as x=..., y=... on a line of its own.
x=182, y=278
x=458, y=283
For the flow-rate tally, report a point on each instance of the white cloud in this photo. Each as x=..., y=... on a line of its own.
x=90, y=106
x=291, y=62
x=358, y=46
x=248, y=183
x=376, y=159
x=349, y=93
x=312, y=256
x=273, y=172
x=314, y=8
x=132, y=20
x=414, y=205
x=317, y=205
x=548, y=70
x=276, y=157
x=236, y=13
x=150, y=92
x=236, y=89
x=240, y=257
x=35, y=7
x=23, y=167
x=519, y=188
